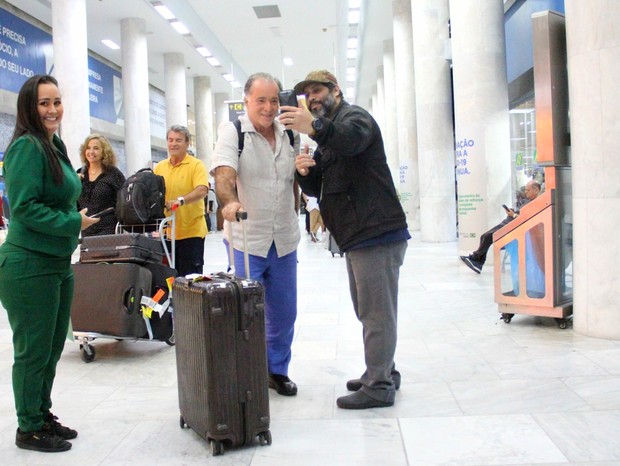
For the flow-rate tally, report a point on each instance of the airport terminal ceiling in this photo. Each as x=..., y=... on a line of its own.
x=313, y=34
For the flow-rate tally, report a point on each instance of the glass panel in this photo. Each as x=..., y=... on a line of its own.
x=565, y=221
x=535, y=261
x=523, y=148
x=510, y=269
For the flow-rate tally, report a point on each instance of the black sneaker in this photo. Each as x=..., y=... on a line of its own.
x=476, y=266
x=41, y=440
x=56, y=428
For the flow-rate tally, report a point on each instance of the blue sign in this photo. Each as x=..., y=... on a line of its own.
x=25, y=50
x=104, y=91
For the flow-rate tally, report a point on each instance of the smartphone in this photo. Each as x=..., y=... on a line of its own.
x=506, y=208
x=109, y=210
x=288, y=98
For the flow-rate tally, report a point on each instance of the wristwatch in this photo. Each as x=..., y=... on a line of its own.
x=181, y=200
x=317, y=124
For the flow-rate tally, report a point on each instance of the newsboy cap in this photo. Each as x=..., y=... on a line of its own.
x=318, y=77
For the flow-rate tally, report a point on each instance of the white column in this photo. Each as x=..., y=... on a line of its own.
x=406, y=112
x=380, y=110
x=136, y=94
x=593, y=48
x=203, y=103
x=71, y=71
x=434, y=121
x=221, y=109
x=481, y=117
x=175, y=89
x=390, y=135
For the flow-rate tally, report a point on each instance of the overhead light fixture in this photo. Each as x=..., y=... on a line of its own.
x=355, y=3
x=235, y=84
x=203, y=51
x=287, y=61
x=111, y=44
x=213, y=61
x=352, y=42
x=164, y=11
x=352, y=53
x=179, y=27
x=354, y=16
x=228, y=77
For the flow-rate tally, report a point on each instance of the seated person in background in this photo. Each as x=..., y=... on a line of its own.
x=476, y=259
x=101, y=181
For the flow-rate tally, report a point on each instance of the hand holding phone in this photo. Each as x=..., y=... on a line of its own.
x=107, y=211
x=288, y=98
x=506, y=208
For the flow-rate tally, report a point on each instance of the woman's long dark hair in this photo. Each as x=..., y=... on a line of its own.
x=29, y=122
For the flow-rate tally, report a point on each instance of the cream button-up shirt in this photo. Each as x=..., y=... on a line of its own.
x=264, y=185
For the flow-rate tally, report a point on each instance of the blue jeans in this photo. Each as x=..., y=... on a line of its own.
x=279, y=277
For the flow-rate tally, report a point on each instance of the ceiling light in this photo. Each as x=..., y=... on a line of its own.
x=352, y=42
x=287, y=61
x=354, y=16
x=203, y=51
x=351, y=71
x=164, y=12
x=355, y=3
x=352, y=53
x=213, y=61
x=235, y=84
x=113, y=45
x=228, y=77
x=179, y=27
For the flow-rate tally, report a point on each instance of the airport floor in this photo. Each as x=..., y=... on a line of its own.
x=475, y=390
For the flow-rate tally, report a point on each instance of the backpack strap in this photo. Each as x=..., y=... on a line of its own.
x=241, y=136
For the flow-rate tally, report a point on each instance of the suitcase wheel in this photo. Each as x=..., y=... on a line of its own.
x=264, y=438
x=507, y=317
x=88, y=352
x=217, y=447
x=182, y=422
x=170, y=341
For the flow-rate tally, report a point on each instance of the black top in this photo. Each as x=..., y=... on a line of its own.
x=100, y=194
x=352, y=180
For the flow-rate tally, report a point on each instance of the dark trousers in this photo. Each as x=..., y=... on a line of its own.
x=36, y=291
x=486, y=240
x=189, y=254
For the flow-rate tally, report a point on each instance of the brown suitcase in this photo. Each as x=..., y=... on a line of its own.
x=106, y=300
x=126, y=247
x=221, y=353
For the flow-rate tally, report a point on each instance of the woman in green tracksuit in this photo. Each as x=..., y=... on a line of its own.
x=36, y=280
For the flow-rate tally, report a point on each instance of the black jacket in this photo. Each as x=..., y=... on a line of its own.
x=351, y=179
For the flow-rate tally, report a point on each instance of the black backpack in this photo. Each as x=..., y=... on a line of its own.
x=141, y=199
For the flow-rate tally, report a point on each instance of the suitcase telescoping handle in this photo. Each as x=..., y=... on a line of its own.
x=241, y=217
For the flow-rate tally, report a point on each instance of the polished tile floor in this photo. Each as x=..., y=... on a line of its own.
x=475, y=391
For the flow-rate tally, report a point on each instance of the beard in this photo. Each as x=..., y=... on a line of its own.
x=327, y=106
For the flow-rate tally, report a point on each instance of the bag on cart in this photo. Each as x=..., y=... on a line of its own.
x=141, y=199
x=222, y=359
x=106, y=299
x=161, y=324
x=126, y=247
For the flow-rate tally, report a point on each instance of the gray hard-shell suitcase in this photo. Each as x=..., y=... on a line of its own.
x=107, y=299
x=222, y=360
x=126, y=247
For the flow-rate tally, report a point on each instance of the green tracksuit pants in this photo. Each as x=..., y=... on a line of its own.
x=36, y=291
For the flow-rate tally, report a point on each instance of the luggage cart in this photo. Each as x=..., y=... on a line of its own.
x=134, y=299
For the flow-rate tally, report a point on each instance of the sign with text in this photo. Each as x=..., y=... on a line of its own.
x=25, y=51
